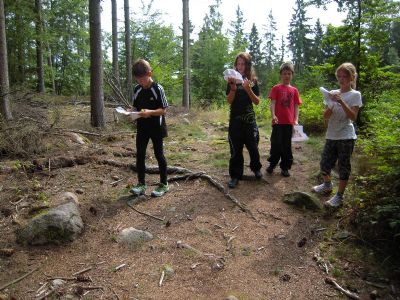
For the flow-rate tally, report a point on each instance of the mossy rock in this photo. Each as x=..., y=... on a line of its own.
x=303, y=200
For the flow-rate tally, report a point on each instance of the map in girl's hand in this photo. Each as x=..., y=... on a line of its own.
x=327, y=97
x=231, y=73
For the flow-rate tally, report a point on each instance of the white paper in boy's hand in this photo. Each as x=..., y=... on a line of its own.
x=133, y=114
x=233, y=74
x=327, y=97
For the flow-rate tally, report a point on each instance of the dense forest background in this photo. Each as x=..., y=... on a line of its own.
x=47, y=48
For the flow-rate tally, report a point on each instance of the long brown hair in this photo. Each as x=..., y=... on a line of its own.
x=249, y=71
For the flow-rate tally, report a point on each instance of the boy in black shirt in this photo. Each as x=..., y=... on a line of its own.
x=150, y=101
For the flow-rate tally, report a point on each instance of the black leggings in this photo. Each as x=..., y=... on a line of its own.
x=142, y=140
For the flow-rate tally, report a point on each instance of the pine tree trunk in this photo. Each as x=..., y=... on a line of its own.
x=39, y=48
x=4, y=84
x=186, y=66
x=128, y=50
x=96, y=66
x=114, y=40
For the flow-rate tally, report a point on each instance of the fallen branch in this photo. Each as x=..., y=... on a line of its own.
x=82, y=271
x=145, y=214
x=349, y=294
x=18, y=279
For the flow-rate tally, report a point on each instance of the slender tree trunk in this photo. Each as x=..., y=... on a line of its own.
x=50, y=63
x=128, y=54
x=19, y=47
x=358, y=55
x=39, y=48
x=4, y=84
x=186, y=66
x=114, y=40
x=96, y=66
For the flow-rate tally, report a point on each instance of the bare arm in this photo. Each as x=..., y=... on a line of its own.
x=232, y=91
x=272, y=108
x=296, y=114
x=147, y=113
x=351, y=112
x=247, y=87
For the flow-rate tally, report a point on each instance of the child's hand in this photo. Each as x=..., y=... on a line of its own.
x=336, y=97
x=145, y=113
x=274, y=120
x=232, y=83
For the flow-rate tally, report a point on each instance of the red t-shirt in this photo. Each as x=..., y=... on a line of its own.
x=286, y=96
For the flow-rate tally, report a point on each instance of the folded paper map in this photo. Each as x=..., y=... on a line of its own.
x=327, y=97
x=133, y=114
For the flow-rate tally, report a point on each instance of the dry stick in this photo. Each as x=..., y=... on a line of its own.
x=146, y=214
x=18, y=279
x=349, y=294
x=219, y=187
x=82, y=271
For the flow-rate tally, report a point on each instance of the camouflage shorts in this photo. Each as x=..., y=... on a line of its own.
x=340, y=151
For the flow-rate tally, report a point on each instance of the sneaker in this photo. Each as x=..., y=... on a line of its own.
x=258, y=174
x=285, y=173
x=270, y=169
x=139, y=189
x=160, y=190
x=335, y=201
x=324, y=188
x=233, y=183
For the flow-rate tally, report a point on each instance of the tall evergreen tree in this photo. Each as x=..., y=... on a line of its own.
x=96, y=66
x=255, y=46
x=128, y=52
x=299, y=42
x=239, y=40
x=186, y=66
x=114, y=19
x=39, y=47
x=4, y=84
x=317, y=55
x=269, y=48
x=282, y=51
x=210, y=57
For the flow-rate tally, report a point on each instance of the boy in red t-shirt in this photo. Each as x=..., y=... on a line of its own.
x=285, y=101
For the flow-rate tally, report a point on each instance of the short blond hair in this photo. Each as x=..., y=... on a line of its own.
x=350, y=69
x=286, y=66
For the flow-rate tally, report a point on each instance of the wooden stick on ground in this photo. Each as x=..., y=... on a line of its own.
x=18, y=279
x=349, y=294
x=146, y=214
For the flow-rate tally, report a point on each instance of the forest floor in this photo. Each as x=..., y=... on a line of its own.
x=279, y=253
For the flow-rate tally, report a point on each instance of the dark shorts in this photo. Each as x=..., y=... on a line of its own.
x=340, y=151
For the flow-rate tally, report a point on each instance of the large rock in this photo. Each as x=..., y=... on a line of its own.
x=133, y=237
x=59, y=225
x=303, y=200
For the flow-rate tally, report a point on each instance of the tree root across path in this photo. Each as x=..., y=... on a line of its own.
x=62, y=162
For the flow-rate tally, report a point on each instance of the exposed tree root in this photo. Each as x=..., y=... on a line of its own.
x=65, y=162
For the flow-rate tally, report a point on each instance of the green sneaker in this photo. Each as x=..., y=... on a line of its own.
x=139, y=189
x=160, y=190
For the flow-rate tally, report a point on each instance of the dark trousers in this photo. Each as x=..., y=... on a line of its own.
x=281, y=146
x=242, y=134
x=142, y=140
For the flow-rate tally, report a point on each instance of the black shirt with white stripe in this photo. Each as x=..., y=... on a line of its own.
x=151, y=98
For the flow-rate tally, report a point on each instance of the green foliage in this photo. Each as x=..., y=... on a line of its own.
x=311, y=111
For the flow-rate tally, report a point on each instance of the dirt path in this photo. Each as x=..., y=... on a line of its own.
x=241, y=257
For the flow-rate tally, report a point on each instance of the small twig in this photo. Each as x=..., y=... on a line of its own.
x=82, y=271
x=18, y=279
x=146, y=214
x=116, y=295
x=115, y=182
x=161, y=278
x=349, y=294
x=119, y=267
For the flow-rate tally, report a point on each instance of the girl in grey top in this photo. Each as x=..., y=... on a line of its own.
x=341, y=109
